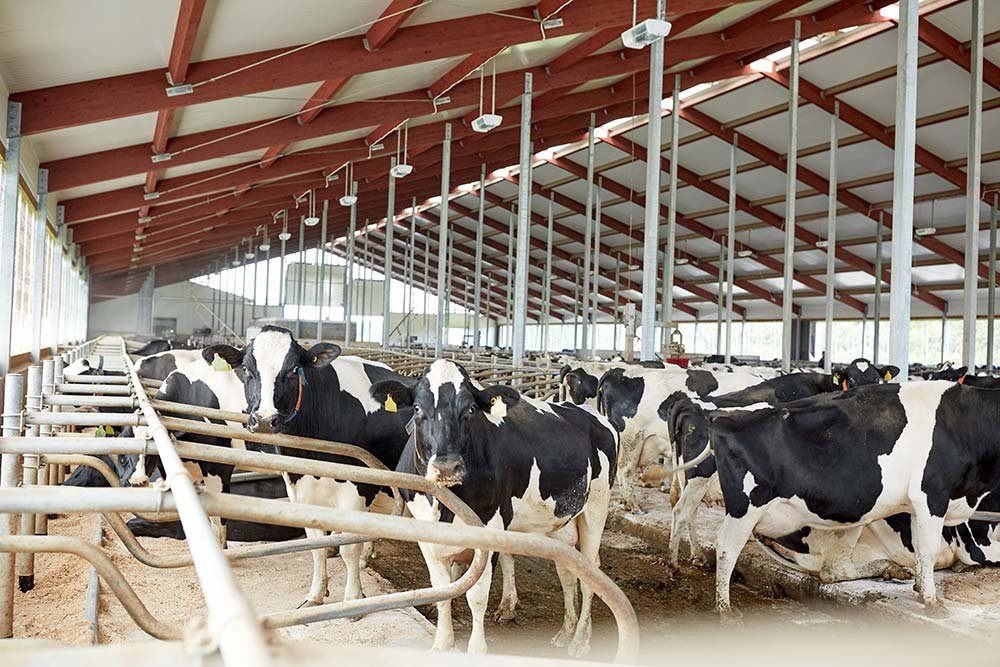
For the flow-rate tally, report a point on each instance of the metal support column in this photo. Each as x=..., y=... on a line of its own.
x=973, y=173
x=902, y=185
x=831, y=240
x=299, y=282
x=321, y=258
x=13, y=401
x=547, y=279
x=364, y=284
x=597, y=269
x=790, y=171
x=8, y=232
x=390, y=224
x=651, y=238
x=477, y=291
x=877, y=306
x=731, y=250
x=349, y=270
x=991, y=306
x=58, y=271
x=670, y=252
x=587, y=232
x=38, y=265
x=411, y=248
x=720, y=300
x=442, y=277
x=427, y=289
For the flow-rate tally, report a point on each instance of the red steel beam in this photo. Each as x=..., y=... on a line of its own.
x=188, y=21
x=951, y=48
x=810, y=178
x=461, y=71
x=391, y=20
x=96, y=167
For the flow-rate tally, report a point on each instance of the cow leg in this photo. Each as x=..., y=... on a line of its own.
x=733, y=536
x=508, y=600
x=631, y=451
x=683, y=517
x=351, y=555
x=590, y=527
x=320, y=587
x=838, y=561
x=570, y=617
x=440, y=574
x=478, y=597
x=926, y=530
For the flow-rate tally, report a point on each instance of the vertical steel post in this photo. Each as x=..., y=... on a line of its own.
x=790, y=171
x=411, y=269
x=390, y=224
x=902, y=186
x=477, y=291
x=991, y=305
x=300, y=281
x=597, y=268
x=587, y=232
x=731, y=249
x=720, y=300
x=877, y=306
x=349, y=270
x=831, y=239
x=651, y=239
x=8, y=232
x=667, y=316
x=12, y=403
x=547, y=278
x=427, y=289
x=321, y=260
x=973, y=174
x=38, y=265
x=48, y=388
x=253, y=291
x=318, y=291
x=442, y=277
x=58, y=259
x=25, y=562
x=281, y=269
x=576, y=307
x=523, y=228
x=618, y=280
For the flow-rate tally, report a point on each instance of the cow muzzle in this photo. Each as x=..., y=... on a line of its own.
x=446, y=473
x=260, y=424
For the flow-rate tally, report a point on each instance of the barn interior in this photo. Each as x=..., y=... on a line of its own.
x=417, y=182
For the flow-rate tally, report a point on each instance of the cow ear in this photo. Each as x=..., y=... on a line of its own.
x=391, y=394
x=488, y=397
x=321, y=354
x=227, y=353
x=590, y=384
x=563, y=371
x=888, y=372
x=964, y=370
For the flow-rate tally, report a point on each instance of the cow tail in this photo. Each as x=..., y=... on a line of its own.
x=705, y=453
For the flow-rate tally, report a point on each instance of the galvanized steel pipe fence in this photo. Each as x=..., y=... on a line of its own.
x=38, y=445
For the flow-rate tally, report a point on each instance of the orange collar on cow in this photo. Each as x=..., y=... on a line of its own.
x=844, y=385
x=298, y=400
x=961, y=380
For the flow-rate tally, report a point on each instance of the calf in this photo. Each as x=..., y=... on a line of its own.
x=631, y=399
x=520, y=464
x=926, y=449
x=317, y=393
x=687, y=427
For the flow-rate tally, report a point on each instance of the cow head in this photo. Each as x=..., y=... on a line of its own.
x=447, y=405
x=579, y=384
x=861, y=372
x=274, y=375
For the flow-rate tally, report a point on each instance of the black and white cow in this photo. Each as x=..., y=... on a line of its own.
x=841, y=461
x=85, y=367
x=155, y=346
x=631, y=399
x=319, y=394
x=160, y=365
x=579, y=385
x=197, y=383
x=521, y=464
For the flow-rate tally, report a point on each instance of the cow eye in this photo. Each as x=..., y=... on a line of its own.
x=471, y=410
x=417, y=410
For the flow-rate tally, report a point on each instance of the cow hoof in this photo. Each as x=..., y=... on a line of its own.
x=563, y=639
x=309, y=602
x=578, y=649
x=936, y=609
x=897, y=572
x=476, y=647
x=699, y=561
x=730, y=616
x=505, y=615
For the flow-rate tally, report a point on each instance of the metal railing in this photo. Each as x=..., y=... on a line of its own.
x=233, y=626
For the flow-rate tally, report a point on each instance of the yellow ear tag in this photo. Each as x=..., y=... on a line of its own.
x=220, y=364
x=390, y=405
x=888, y=376
x=109, y=430
x=99, y=433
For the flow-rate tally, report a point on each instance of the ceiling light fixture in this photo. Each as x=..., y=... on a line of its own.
x=645, y=33
x=284, y=234
x=487, y=121
x=350, y=197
